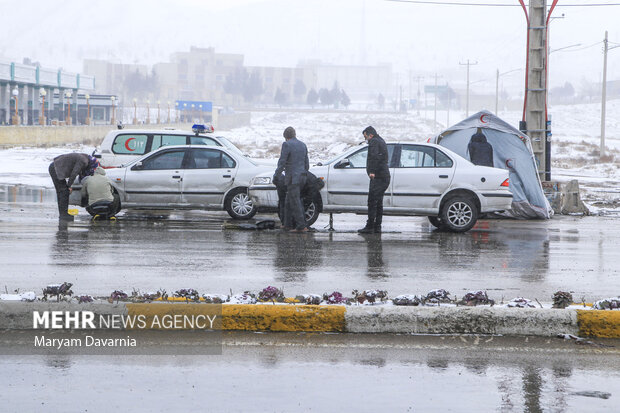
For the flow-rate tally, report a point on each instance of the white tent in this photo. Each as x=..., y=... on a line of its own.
x=512, y=151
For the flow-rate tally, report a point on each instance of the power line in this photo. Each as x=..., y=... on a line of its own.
x=451, y=3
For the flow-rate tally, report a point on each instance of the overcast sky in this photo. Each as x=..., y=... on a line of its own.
x=420, y=38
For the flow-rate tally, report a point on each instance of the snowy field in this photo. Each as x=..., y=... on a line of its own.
x=575, y=150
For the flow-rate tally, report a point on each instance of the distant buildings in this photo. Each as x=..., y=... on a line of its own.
x=203, y=74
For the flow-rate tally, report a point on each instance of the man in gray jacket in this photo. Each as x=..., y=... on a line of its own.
x=64, y=170
x=97, y=188
x=294, y=162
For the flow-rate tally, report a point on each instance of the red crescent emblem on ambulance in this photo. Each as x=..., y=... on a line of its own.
x=482, y=118
x=127, y=144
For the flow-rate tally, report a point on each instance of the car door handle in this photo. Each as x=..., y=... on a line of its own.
x=443, y=176
x=226, y=176
x=176, y=176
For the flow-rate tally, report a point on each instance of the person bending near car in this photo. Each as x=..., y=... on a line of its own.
x=295, y=164
x=63, y=170
x=309, y=192
x=97, y=188
x=379, y=174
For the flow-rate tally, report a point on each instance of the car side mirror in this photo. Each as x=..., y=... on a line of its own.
x=137, y=167
x=343, y=163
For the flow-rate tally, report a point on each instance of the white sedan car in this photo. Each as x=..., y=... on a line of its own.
x=426, y=179
x=186, y=177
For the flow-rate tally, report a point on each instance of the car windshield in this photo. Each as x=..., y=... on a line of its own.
x=231, y=146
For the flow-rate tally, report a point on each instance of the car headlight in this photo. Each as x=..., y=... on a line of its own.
x=261, y=180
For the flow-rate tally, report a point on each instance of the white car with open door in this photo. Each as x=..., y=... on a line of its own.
x=186, y=177
x=426, y=179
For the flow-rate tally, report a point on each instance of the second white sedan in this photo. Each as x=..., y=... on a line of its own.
x=426, y=179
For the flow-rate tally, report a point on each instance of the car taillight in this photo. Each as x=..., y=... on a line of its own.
x=505, y=183
x=109, y=167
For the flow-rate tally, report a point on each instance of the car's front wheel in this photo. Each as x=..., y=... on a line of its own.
x=311, y=212
x=458, y=214
x=239, y=205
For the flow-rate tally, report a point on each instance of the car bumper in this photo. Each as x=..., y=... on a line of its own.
x=495, y=201
x=264, y=196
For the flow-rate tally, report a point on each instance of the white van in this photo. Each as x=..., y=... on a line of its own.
x=122, y=146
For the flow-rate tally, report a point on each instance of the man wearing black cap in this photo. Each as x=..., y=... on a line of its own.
x=294, y=163
x=379, y=174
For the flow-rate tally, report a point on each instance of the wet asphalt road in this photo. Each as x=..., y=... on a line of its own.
x=290, y=372
x=149, y=251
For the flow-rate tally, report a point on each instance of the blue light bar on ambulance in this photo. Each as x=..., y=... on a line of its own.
x=200, y=128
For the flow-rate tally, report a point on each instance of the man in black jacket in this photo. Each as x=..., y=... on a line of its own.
x=379, y=173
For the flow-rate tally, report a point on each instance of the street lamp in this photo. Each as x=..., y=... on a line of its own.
x=135, y=111
x=193, y=114
x=68, y=94
x=185, y=112
x=15, y=93
x=168, y=121
x=87, y=121
x=148, y=112
x=42, y=94
x=158, y=118
x=200, y=112
x=113, y=120
x=176, y=110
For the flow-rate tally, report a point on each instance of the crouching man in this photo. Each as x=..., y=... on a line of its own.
x=98, y=194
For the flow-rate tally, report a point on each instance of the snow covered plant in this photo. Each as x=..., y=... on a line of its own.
x=607, y=304
x=59, y=290
x=520, y=302
x=245, y=298
x=188, y=293
x=473, y=298
x=562, y=299
x=84, y=299
x=310, y=299
x=369, y=296
x=215, y=298
x=406, y=299
x=117, y=295
x=272, y=294
x=335, y=298
x=436, y=297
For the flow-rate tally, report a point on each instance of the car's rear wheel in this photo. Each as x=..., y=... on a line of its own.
x=458, y=214
x=239, y=205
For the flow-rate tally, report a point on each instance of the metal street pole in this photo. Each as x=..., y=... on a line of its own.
x=468, y=64
x=604, y=96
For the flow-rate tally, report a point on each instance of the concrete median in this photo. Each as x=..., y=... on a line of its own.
x=375, y=319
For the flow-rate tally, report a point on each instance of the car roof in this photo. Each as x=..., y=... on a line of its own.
x=162, y=131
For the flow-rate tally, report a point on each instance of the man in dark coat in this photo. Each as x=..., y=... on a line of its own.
x=480, y=151
x=64, y=170
x=294, y=163
x=379, y=173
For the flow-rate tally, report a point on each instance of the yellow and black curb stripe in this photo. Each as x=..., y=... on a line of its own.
x=353, y=319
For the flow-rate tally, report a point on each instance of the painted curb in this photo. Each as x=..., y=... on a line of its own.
x=353, y=319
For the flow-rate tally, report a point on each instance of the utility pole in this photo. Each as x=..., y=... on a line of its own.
x=435, y=104
x=417, y=102
x=467, y=97
x=497, y=92
x=534, y=122
x=604, y=95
